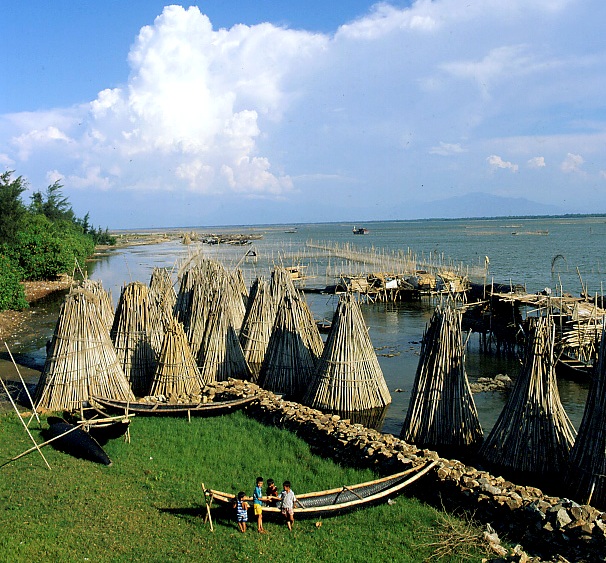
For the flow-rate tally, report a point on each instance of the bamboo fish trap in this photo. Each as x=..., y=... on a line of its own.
x=257, y=326
x=533, y=434
x=176, y=374
x=289, y=364
x=587, y=470
x=442, y=412
x=106, y=309
x=131, y=337
x=82, y=361
x=348, y=377
x=221, y=355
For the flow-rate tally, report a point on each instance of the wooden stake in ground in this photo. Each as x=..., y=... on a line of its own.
x=533, y=434
x=442, y=412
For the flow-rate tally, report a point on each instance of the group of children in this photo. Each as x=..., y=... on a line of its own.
x=286, y=498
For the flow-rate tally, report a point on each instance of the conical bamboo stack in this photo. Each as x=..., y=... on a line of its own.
x=201, y=299
x=161, y=299
x=221, y=355
x=106, y=309
x=442, y=412
x=587, y=469
x=281, y=284
x=533, y=434
x=289, y=364
x=176, y=375
x=257, y=326
x=240, y=285
x=82, y=361
x=131, y=337
x=348, y=377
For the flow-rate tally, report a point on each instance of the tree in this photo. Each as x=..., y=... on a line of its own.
x=53, y=204
x=12, y=209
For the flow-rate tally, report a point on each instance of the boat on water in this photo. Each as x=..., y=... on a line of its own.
x=360, y=231
x=334, y=501
x=173, y=409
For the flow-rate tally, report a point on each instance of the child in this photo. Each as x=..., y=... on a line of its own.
x=241, y=511
x=287, y=496
x=258, y=504
x=272, y=492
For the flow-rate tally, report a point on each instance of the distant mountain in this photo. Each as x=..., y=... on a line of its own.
x=480, y=204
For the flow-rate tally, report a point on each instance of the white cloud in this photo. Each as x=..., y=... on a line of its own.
x=447, y=149
x=572, y=163
x=536, y=162
x=258, y=110
x=497, y=162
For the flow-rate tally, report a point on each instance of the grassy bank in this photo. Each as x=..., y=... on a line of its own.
x=146, y=506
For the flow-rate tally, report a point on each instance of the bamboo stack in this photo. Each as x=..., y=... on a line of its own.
x=82, y=360
x=442, y=412
x=162, y=299
x=281, y=284
x=106, y=309
x=221, y=355
x=131, y=337
x=533, y=434
x=177, y=375
x=587, y=469
x=257, y=326
x=289, y=364
x=348, y=378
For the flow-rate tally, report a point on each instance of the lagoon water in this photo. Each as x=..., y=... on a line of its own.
x=538, y=253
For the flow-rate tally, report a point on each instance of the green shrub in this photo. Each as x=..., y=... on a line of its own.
x=46, y=249
x=12, y=295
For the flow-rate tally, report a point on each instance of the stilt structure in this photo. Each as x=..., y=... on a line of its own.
x=131, y=337
x=177, y=375
x=586, y=478
x=348, y=378
x=81, y=361
x=442, y=413
x=533, y=435
x=257, y=326
x=289, y=364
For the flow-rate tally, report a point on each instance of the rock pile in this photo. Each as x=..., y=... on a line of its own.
x=499, y=382
x=550, y=526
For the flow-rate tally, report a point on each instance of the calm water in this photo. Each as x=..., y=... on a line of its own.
x=518, y=250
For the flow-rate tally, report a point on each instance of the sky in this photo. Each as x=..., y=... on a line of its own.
x=236, y=112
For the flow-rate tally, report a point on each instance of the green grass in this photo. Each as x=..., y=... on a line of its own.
x=146, y=506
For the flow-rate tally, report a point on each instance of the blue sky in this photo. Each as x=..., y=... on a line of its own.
x=236, y=112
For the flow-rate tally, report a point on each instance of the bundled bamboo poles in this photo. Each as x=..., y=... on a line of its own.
x=131, y=337
x=221, y=355
x=289, y=363
x=106, y=309
x=177, y=375
x=587, y=470
x=533, y=434
x=161, y=300
x=442, y=412
x=82, y=360
x=281, y=284
x=348, y=377
x=257, y=326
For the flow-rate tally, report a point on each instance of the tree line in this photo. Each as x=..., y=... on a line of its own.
x=39, y=241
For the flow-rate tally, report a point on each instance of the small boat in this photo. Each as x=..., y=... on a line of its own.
x=99, y=425
x=360, y=231
x=569, y=367
x=174, y=409
x=344, y=498
x=72, y=440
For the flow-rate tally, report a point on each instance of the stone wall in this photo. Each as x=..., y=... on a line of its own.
x=544, y=525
